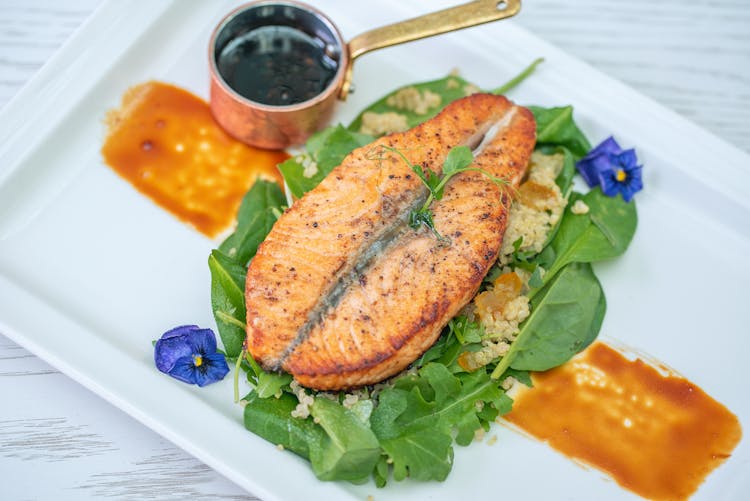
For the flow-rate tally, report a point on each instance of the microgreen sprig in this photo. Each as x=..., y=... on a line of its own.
x=458, y=160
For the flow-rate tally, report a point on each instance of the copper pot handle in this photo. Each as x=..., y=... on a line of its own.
x=435, y=23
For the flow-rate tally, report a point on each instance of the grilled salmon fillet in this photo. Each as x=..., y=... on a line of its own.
x=343, y=292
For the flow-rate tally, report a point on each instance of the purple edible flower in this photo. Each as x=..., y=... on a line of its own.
x=614, y=169
x=188, y=353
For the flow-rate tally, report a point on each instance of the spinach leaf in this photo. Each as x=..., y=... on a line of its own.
x=326, y=149
x=260, y=208
x=564, y=179
x=228, y=300
x=566, y=316
x=448, y=89
x=258, y=211
x=348, y=449
x=271, y=419
x=605, y=232
x=555, y=126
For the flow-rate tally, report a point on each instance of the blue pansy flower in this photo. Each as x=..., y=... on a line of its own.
x=188, y=353
x=614, y=169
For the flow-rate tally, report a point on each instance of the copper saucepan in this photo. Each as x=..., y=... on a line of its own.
x=284, y=115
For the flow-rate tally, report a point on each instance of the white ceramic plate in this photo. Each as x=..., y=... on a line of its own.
x=91, y=271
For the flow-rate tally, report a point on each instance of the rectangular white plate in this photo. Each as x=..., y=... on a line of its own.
x=91, y=271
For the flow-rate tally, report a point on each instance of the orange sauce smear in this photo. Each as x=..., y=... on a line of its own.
x=164, y=141
x=658, y=436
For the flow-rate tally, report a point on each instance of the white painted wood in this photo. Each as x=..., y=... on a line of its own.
x=58, y=440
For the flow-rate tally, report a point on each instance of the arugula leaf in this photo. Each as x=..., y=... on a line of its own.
x=327, y=149
x=555, y=126
x=566, y=316
x=417, y=417
x=270, y=418
x=456, y=398
x=416, y=449
x=349, y=450
x=466, y=332
x=270, y=384
x=605, y=232
x=524, y=377
x=380, y=474
x=228, y=300
x=445, y=351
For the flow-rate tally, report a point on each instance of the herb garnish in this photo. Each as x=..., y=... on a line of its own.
x=458, y=160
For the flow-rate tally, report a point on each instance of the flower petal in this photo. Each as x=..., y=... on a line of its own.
x=178, y=331
x=633, y=185
x=184, y=369
x=592, y=167
x=587, y=168
x=627, y=159
x=609, y=146
x=608, y=180
x=203, y=341
x=214, y=369
x=171, y=346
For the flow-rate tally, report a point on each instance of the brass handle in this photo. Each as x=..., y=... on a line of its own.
x=435, y=23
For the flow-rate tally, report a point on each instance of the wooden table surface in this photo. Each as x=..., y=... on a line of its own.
x=60, y=441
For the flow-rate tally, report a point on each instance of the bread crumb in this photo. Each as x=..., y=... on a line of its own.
x=370, y=498
x=579, y=207
x=377, y=124
x=492, y=440
x=452, y=83
x=280, y=447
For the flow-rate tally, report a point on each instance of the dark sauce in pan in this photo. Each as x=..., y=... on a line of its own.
x=277, y=65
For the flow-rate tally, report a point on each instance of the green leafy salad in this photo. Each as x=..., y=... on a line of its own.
x=406, y=427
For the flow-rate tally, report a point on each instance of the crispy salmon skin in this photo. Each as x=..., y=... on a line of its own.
x=343, y=292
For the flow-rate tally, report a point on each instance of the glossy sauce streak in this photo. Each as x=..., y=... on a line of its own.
x=164, y=141
x=658, y=436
